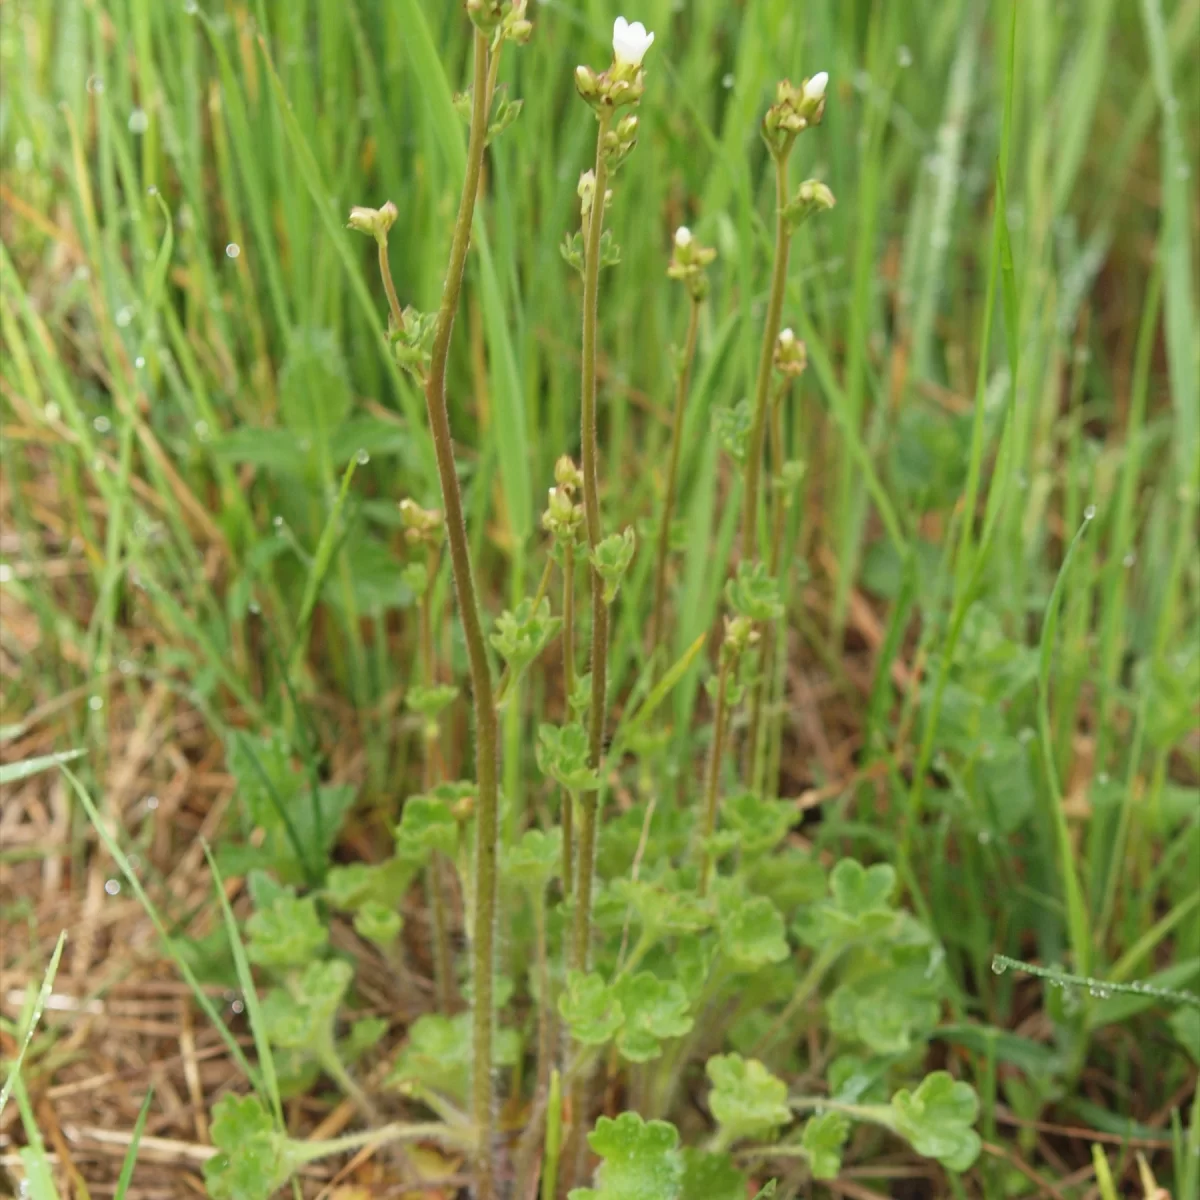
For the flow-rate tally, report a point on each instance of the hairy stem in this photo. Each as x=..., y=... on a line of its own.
x=586, y=856
x=568, y=650
x=591, y=508
x=712, y=783
x=385, y=271
x=664, y=533
x=435, y=876
x=755, y=763
x=486, y=751
x=762, y=384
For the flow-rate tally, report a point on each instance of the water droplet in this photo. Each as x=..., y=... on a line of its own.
x=1089, y=513
x=998, y=965
x=151, y=802
x=95, y=85
x=112, y=887
x=1102, y=778
x=140, y=361
x=126, y=666
x=81, y=274
x=191, y=7
x=124, y=316
x=139, y=121
x=6, y=573
x=904, y=57
x=362, y=458
x=1129, y=560
x=152, y=190
x=277, y=522
x=984, y=837
x=53, y=412
x=95, y=703
x=232, y=250
x=200, y=429
x=237, y=1007
x=101, y=424
x=98, y=465
x=1183, y=171
x=727, y=80
x=23, y=154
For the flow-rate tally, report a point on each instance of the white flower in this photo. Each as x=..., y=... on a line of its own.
x=814, y=89
x=683, y=237
x=630, y=42
x=786, y=336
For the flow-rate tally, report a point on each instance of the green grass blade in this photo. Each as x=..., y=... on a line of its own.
x=130, y=1161
x=34, y=1016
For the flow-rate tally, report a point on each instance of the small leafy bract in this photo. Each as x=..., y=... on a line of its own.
x=654, y=1009
x=562, y=753
x=302, y=1016
x=250, y=1163
x=761, y=824
x=937, y=1120
x=288, y=933
x=426, y=824
x=641, y=1160
x=522, y=634
x=823, y=1138
x=752, y=934
x=753, y=594
x=732, y=427
x=708, y=1175
x=591, y=1010
x=611, y=558
x=378, y=923
x=438, y=1054
x=429, y=701
x=746, y=1099
x=353, y=885
x=535, y=859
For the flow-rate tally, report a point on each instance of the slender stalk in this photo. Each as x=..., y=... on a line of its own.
x=527, y=1148
x=754, y=762
x=435, y=876
x=385, y=271
x=568, y=649
x=712, y=784
x=590, y=801
x=766, y=356
x=486, y=753
x=806, y=990
x=664, y=533
x=591, y=508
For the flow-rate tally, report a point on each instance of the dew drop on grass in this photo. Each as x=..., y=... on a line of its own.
x=362, y=458
x=237, y=1007
x=6, y=573
x=904, y=56
x=151, y=803
x=152, y=190
x=95, y=85
x=112, y=887
x=102, y=425
x=998, y=967
x=140, y=361
x=1129, y=560
x=126, y=666
x=52, y=412
x=727, y=80
x=124, y=317
x=200, y=429
x=984, y=837
x=254, y=607
x=23, y=154
x=277, y=522
x=191, y=7
x=95, y=703
x=1089, y=513
x=139, y=121
x=232, y=250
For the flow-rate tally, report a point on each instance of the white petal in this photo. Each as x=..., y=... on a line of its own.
x=683, y=236
x=814, y=89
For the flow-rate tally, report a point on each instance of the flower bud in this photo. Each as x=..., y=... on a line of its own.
x=567, y=475
x=586, y=83
x=683, y=237
x=373, y=221
x=791, y=355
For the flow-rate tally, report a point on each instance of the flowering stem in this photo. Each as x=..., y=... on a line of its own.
x=712, y=783
x=762, y=384
x=435, y=876
x=486, y=754
x=664, y=533
x=591, y=508
x=568, y=651
x=754, y=763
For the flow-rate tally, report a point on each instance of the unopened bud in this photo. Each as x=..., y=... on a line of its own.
x=373, y=221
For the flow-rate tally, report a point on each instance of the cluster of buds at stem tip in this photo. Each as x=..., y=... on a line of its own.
x=373, y=221
x=422, y=526
x=563, y=518
x=740, y=634
x=791, y=354
x=617, y=143
x=688, y=262
x=795, y=110
x=503, y=20
x=624, y=82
